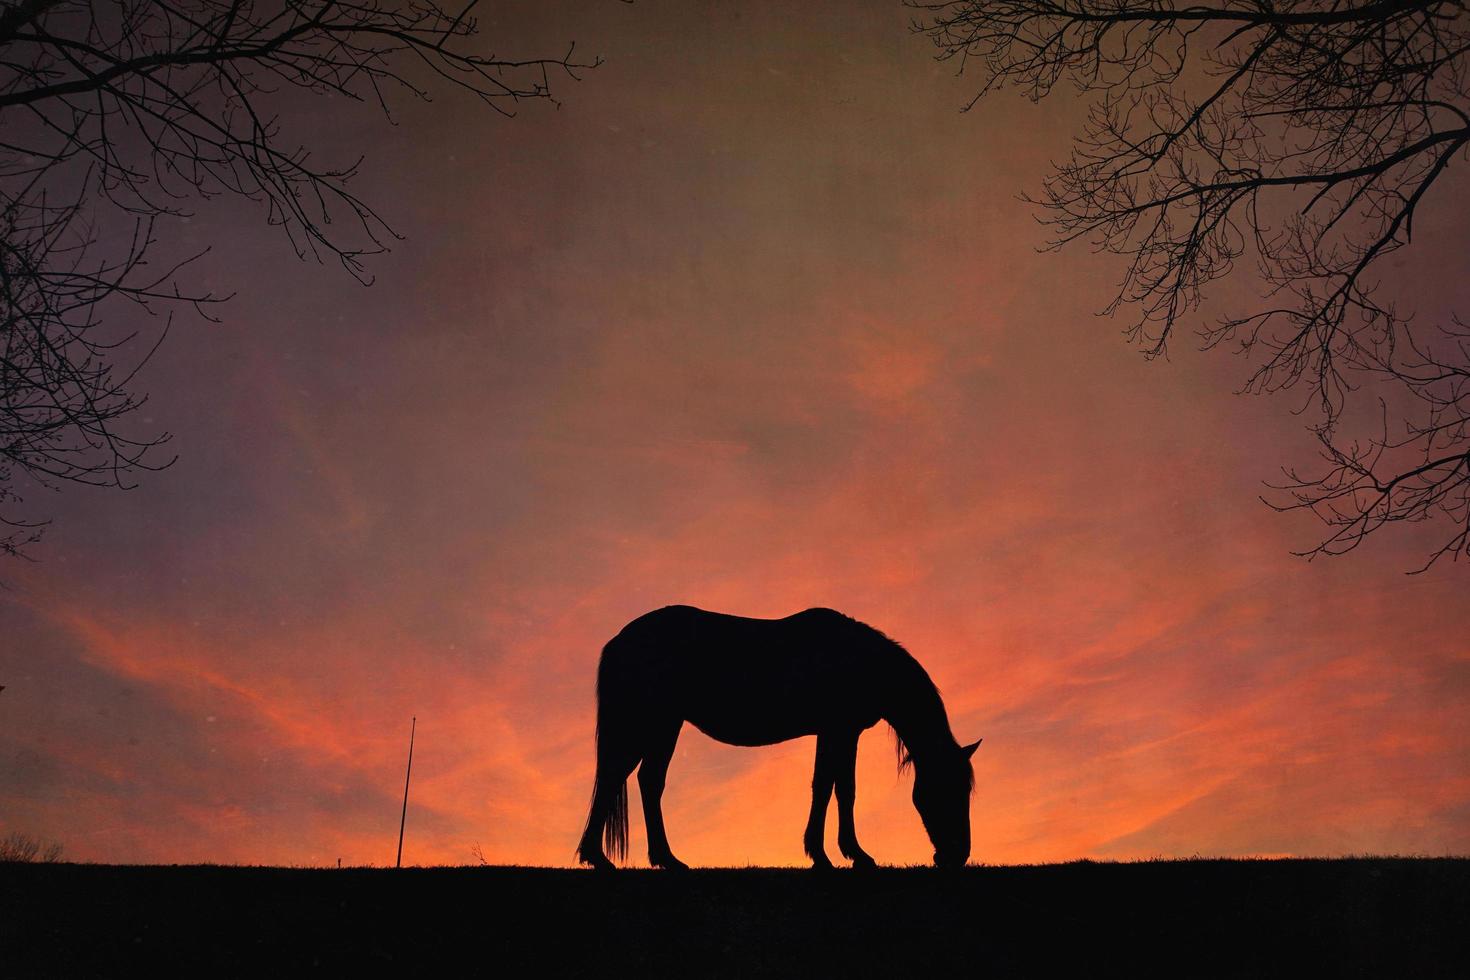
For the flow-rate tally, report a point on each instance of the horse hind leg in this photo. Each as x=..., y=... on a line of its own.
x=652, y=774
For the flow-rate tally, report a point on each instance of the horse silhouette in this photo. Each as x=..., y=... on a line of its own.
x=758, y=682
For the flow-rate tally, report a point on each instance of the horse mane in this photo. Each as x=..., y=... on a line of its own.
x=902, y=758
x=901, y=755
x=924, y=685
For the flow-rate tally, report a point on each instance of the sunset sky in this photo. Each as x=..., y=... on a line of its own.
x=755, y=321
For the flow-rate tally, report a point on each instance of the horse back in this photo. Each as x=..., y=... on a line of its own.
x=748, y=681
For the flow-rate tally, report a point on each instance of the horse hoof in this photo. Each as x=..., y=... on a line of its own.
x=863, y=862
x=823, y=865
x=670, y=863
x=597, y=862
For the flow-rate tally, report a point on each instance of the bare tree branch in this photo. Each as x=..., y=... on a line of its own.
x=115, y=119
x=1303, y=134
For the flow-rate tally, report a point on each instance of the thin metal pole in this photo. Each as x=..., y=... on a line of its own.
x=403, y=818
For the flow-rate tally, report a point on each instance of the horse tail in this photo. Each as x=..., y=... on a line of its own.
x=609, y=734
x=615, y=834
x=615, y=830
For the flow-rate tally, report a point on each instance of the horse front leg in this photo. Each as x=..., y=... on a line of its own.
x=845, y=766
x=823, y=776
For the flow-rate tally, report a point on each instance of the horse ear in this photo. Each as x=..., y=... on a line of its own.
x=970, y=749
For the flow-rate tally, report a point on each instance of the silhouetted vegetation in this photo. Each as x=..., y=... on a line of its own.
x=1371, y=918
x=22, y=848
x=1303, y=136
x=118, y=117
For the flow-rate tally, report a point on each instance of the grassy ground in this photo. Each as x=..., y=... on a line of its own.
x=1374, y=917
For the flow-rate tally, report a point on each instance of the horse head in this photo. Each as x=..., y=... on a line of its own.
x=943, y=782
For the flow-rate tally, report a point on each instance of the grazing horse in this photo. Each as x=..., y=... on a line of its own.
x=761, y=681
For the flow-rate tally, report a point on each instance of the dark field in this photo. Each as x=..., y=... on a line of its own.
x=1357, y=917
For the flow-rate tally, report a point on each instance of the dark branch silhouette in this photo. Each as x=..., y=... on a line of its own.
x=758, y=682
x=1303, y=135
x=114, y=120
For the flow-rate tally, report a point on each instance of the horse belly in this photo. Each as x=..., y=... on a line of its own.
x=753, y=714
x=742, y=732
